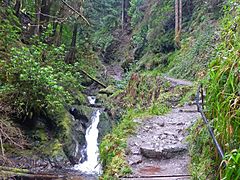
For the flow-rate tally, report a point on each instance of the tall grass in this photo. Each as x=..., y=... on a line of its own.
x=223, y=85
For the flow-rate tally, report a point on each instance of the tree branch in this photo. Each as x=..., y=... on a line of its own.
x=70, y=7
x=94, y=79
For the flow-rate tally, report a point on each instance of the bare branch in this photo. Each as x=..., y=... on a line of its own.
x=70, y=7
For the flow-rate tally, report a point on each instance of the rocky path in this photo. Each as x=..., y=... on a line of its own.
x=115, y=71
x=159, y=149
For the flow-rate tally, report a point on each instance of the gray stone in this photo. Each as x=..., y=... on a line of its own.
x=135, y=159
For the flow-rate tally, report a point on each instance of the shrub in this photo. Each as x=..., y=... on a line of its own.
x=35, y=82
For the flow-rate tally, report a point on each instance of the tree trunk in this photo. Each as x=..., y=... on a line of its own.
x=123, y=14
x=38, y=11
x=125, y=6
x=45, y=11
x=178, y=22
x=176, y=18
x=17, y=7
x=180, y=18
x=74, y=35
x=70, y=57
x=60, y=35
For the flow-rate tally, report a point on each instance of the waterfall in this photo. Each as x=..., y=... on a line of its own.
x=91, y=165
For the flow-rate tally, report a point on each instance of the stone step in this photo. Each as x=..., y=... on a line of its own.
x=159, y=178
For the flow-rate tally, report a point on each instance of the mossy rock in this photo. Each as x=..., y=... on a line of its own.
x=109, y=90
x=105, y=125
x=83, y=113
x=72, y=134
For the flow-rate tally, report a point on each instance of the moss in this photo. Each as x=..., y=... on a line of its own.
x=52, y=149
x=64, y=124
x=105, y=125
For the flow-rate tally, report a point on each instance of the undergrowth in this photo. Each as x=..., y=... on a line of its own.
x=201, y=150
x=222, y=104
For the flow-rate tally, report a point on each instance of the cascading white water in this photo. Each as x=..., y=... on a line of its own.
x=92, y=99
x=91, y=165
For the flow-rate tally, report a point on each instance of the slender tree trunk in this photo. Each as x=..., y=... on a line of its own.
x=70, y=57
x=54, y=30
x=45, y=11
x=17, y=7
x=38, y=12
x=180, y=18
x=123, y=14
x=60, y=35
x=178, y=22
x=125, y=6
x=176, y=18
x=74, y=35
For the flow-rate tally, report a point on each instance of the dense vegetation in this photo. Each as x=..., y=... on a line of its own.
x=54, y=53
x=43, y=63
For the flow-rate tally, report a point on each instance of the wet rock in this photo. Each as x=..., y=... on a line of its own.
x=150, y=152
x=82, y=113
x=173, y=150
x=105, y=125
x=135, y=159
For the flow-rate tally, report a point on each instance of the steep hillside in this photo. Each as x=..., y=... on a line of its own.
x=153, y=51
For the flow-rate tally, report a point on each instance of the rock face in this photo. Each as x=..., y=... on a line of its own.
x=160, y=143
x=80, y=121
x=105, y=125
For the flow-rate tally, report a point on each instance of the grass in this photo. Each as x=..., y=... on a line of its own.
x=201, y=150
x=222, y=105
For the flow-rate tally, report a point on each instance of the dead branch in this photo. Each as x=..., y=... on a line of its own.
x=74, y=10
x=10, y=134
x=94, y=79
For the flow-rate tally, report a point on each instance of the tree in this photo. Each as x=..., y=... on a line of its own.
x=70, y=57
x=178, y=21
x=125, y=6
x=17, y=7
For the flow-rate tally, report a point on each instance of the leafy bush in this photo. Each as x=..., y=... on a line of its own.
x=134, y=12
x=193, y=57
x=223, y=84
x=36, y=82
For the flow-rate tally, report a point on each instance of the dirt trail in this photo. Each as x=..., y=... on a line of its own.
x=159, y=149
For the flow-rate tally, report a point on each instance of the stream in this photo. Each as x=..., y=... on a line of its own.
x=91, y=166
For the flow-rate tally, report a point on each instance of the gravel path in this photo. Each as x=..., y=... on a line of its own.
x=159, y=148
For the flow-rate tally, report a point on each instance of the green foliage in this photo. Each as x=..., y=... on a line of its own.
x=105, y=16
x=222, y=103
x=193, y=58
x=134, y=12
x=112, y=149
x=38, y=82
x=9, y=31
x=161, y=29
x=223, y=83
x=232, y=171
x=202, y=166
